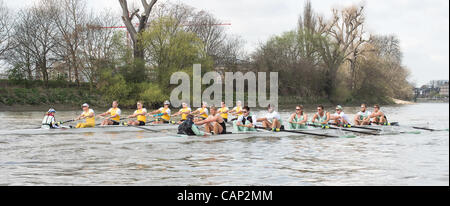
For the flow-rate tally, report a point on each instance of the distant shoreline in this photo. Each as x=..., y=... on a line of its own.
x=61, y=107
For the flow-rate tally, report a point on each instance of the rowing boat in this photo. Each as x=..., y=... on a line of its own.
x=375, y=130
x=99, y=129
x=175, y=138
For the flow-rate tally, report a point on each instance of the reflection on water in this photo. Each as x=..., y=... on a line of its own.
x=90, y=159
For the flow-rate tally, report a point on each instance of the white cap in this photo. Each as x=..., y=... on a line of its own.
x=205, y=103
x=85, y=105
x=166, y=102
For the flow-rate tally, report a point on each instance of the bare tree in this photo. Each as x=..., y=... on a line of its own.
x=307, y=30
x=143, y=18
x=19, y=57
x=341, y=41
x=70, y=19
x=223, y=48
x=35, y=32
x=5, y=29
x=388, y=47
x=97, y=48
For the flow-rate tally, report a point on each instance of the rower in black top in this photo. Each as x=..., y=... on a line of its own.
x=214, y=123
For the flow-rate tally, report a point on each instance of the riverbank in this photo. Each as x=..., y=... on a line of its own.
x=32, y=98
x=36, y=97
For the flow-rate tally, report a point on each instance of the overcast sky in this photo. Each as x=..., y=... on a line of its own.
x=422, y=26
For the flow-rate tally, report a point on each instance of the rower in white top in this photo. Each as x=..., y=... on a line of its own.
x=49, y=121
x=272, y=119
x=340, y=118
x=245, y=122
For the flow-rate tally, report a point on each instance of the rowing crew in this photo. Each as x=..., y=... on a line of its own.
x=246, y=122
x=215, y=122
x=162, y=115
x=299, y=119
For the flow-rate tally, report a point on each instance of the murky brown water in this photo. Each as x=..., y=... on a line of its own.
x=90, y=159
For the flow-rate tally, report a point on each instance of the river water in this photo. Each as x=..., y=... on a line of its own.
x=90, y=159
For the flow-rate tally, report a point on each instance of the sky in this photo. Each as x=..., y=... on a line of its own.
x=422, y=26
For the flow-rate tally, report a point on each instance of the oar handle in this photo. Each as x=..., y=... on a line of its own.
x=359, y=127
x=301, y=132
x=315, y=125
x=158, y=115
x=68, y=121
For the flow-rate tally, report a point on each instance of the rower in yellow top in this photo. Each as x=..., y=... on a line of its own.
x=162, y=114
x=321, y=117
x=89, y=115
x=237, y=111
x=114, y=115
x=378, y=117
x=223, y=111
x=201, y=113
x=184, y=112
x=140, y=114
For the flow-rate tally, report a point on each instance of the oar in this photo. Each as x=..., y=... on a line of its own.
x=360, y=127
x=119, y=120
x=348, y=130
x=302, y=132
x=428, y=129
x=140, y=127
x=68, y=121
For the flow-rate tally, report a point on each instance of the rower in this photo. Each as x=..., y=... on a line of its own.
x=49, y=121
x=189, y=128
x=184, y=112
x=223, y=111
x=162, y=113
x=340, y=118
x=114, y=112
x=140, y=114
x=237, y=111
x=201, y=113
x=379, y=118
x=89, y=115
x=245, y=122
x=321, y=117
x=214, y=124
x=272, y=119
x=363, y=116
x=298, y=119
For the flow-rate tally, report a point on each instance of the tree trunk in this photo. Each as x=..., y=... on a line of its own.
x=127, y=18
x=44, y=71
x=138, y=51
x=75, y=66
x=330, y=82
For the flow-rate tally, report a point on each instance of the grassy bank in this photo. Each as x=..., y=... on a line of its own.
x=17, y=95
x=60, y=93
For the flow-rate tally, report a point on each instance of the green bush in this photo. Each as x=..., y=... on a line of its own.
x=152, y=94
